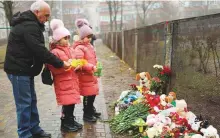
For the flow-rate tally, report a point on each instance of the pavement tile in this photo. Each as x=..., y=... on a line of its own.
x=49, y=113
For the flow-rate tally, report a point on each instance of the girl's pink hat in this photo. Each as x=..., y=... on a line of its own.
x=59, y=31
x=84, y=30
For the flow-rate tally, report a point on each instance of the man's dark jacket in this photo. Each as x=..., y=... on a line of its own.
x=26, y=51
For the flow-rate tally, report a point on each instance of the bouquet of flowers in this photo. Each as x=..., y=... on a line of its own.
x=160, y=82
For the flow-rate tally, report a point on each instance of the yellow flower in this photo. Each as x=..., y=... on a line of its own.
x=139, y=88
x=78, y=62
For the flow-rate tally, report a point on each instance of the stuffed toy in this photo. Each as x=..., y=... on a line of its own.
x=203, y=124
x=163, y=100
x=171, y=97
x=191, y=117
x=151, y=120
x=193, y=136
x=196, y=125
x=145, y=80
x=210, y=132
x=123, y=95
x=157, y=120
x=130, y=99
x=168, y=111
x=152, y=132
x=181, y=107
x=199, y=123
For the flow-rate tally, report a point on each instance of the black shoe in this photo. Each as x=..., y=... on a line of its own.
x=67, y=125
x=89, y=118
x=78, y=125
x=95, y=113
x=42, y=134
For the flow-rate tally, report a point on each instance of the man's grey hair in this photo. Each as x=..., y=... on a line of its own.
x=38, y=5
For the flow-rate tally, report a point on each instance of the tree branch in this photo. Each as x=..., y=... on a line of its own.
x=136, y=5
x=2, y=7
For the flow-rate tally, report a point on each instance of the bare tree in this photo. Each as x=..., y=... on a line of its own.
x=110, y=5
x=116, y=8
x=51, y=3
x=8, y=8
x=144, y=6
x=169, y=9
x=121, y=15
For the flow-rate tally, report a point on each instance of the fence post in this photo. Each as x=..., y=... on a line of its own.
x=168, y=44
x=169, y=41
x=106, y=38
x=135, y=50
x=116, y=43
x=123, y=45
x=112, y=40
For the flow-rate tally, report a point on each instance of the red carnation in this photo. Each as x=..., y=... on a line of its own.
x=166, y=70
x=162, y=73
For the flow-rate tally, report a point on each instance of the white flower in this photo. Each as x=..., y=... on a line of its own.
x=158, y=66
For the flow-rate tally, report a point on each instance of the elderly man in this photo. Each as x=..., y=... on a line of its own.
x=26, y=53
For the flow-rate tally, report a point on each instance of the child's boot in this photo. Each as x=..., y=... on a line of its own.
x=78, y=125
x=96, y=114
x=67, y=125
x=88, y=114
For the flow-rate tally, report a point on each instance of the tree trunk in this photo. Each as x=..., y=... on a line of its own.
x=8, y=8
x=121, y=16
x=115, y=5
x=110, y=14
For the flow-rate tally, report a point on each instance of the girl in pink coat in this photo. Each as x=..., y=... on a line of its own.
x=88, y=83
x=66, y=83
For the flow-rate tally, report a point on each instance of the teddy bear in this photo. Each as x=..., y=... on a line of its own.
x=191, y=117
x=210, y=132
x=153, y=119
x=145, y=80
x=163, y=100
x=152, y=132
x=171, y=97
x=193, y=136
x=199, y=123
x=181, y=106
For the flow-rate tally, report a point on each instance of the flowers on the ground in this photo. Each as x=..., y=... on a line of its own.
x=158, y=115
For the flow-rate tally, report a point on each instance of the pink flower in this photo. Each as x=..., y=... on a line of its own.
x=156, y=79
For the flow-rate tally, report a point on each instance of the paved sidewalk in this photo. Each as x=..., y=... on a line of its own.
x=49, y=113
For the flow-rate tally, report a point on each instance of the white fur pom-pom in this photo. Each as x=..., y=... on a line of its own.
x=56, y=23
x=79, y=23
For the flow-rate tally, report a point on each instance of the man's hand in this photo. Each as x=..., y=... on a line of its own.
x=70, y=60
x=66, y=65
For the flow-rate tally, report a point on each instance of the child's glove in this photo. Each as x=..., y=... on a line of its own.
x=98, y=72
